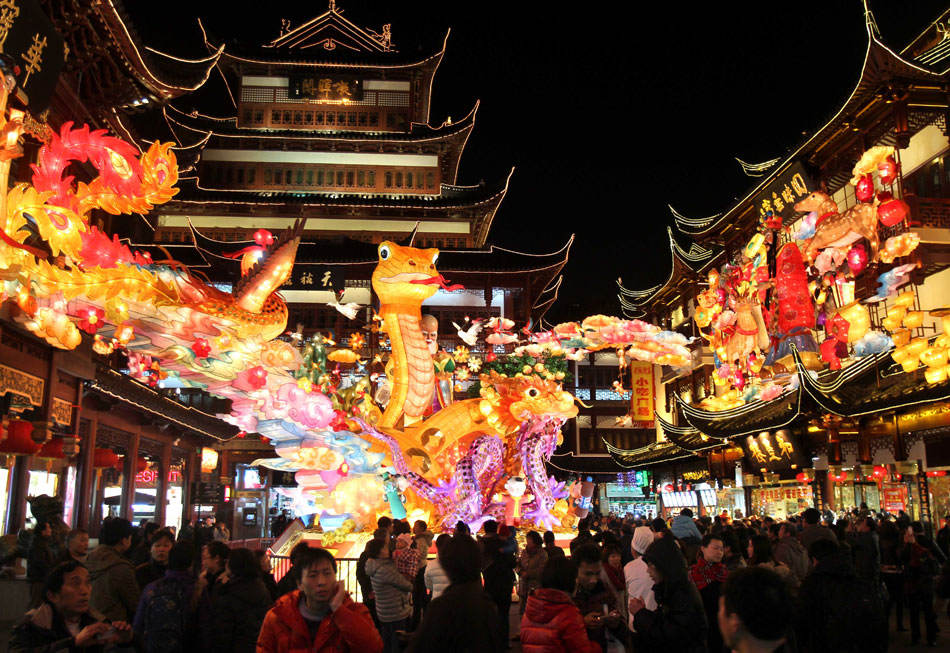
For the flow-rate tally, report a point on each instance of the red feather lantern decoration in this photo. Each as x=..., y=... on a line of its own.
x=52, y=449
x=888, y=169
x=105, y=458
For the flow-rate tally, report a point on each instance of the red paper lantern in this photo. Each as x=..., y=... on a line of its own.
x=141, y=464
x=857, y=259
x=52, y=449
x=888, y=169
x=105, y=458
x=263, y=237
x=668, y=487
x=892, y=212
x=880, y=472
x=864, y=190
x=19, y=440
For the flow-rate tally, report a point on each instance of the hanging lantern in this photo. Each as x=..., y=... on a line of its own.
x=864, y=190
x=102, y=458
x=880, y=472
x=857, y=259
x=19, y=440
x=892, y=212
x=888, y=169
x=52, y=449
x=141, y=464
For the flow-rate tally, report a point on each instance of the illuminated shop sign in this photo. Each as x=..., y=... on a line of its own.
x=325, y=88
x=779, y=196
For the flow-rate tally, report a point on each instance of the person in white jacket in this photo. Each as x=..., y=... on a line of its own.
x=436, y=579
x=639, y=583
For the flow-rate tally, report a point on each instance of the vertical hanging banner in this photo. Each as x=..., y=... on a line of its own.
x=642, y=395
x=33, y=49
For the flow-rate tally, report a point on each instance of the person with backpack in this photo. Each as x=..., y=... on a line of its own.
x=165, y=616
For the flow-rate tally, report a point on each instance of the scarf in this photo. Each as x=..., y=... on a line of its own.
x=615, y=576
x=705, y=573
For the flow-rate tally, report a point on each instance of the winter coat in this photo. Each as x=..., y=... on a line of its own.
x=149, y=572
x=348, y=629
x=679, y=623
x=165, y=617
x=866, y=553
x=793, y=555
x=499, y=580
x=553, y=624
x=391, y=590
x=436, y=579
x=594, y=600
x=838, y=612
x=639, y=585
x=115, y=592
x=530, y=566
x=239, y=608
x=684, y=528
x=463, y=619
x=43, y=630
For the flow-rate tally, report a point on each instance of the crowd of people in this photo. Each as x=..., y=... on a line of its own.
x=690, y=584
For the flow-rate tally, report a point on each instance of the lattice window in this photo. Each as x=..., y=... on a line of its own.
x=259, y=94
x=393, y=99
x=280, y=95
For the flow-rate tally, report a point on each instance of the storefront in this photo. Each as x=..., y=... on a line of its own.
x=782, y=500
x=622, y=500
x=673, y=501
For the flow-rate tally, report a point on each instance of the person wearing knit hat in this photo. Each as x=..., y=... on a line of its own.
x=639, y=583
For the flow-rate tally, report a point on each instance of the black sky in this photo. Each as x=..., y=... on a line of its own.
x=608, y=111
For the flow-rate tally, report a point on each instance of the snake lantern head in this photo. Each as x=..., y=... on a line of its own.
x=405, y=275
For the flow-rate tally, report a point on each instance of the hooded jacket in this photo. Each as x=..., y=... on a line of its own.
x=553, y=624
x=348, y=629
x=679, y=623
x=684, y=528
x=390, y=588
x=115, y=592
x=239, y=608
x=839, y=612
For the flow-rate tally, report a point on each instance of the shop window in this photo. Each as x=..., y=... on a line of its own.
x=329, y=177
x=349, y=178
x=259, y=117
x=299, y=181
x=389, y=179
x=275, y=117
x=339, y=177
x=371, y=178
x=308, y=117
x=288, y=176
x=286, y=117
x=319, y=177
x=331, y=118
x=408, y=180
x=398, y=180
x=298, y=117
x=310, y=177
x=319, y=117
x=361, y=178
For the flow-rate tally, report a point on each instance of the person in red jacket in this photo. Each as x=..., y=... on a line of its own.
x=320, y=616
x=551, y=622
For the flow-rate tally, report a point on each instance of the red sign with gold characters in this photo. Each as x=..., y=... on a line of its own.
x=641, y=396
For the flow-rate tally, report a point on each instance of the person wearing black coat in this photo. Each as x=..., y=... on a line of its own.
x=464, y=618
x=679, y=622
x=837, y=611
x=499, y=575
x=240, y=605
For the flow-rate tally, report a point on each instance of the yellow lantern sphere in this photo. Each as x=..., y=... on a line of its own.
x=900, y=337
x=934, y=357
x=906, y=298
x=914, y=319
x=935, y=374
x=857, y=316
x=916, y=347
x=909, y=365
x=896, y=313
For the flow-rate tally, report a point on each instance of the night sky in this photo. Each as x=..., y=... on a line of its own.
x=607, y=111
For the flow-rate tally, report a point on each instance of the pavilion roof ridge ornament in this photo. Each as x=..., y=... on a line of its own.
x=757, y=169
x=331, y=30
x=695, y=254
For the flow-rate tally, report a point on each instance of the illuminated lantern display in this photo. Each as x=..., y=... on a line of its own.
x=102, y=458
x=209, y=460
x=892, y=212
x=857, y=259
x=888, y=169
x=201, y=348
x=864, y=190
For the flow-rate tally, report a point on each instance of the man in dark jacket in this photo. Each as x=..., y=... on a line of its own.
x=679, y=623
x=214, y=559
x=499, y=575
x=592, y=595
x=64, y=620
x=866, y=552
x=165, y=617
x=115, y=592
x=463, y=618
x=755, y=611
x=790, y=552
x=240, y=604
x=837, y=611
x=148, y=572
x=814, y=531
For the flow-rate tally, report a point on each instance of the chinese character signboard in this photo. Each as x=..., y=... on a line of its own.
x=779, y=196
x=777, y=452
x=325, y=89
x=641, y=399
x=316, y=277
x=34, y=49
